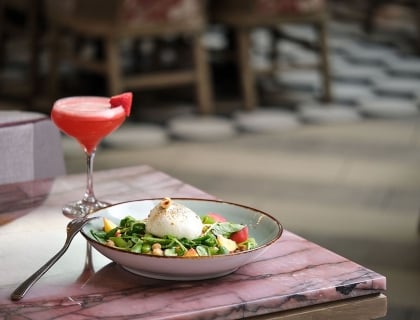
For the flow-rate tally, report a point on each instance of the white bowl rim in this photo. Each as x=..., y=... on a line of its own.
x=259, y=247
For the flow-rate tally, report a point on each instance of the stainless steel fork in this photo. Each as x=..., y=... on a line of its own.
x=73, y=227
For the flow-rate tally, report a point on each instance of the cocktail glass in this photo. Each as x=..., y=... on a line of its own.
x=88, y=119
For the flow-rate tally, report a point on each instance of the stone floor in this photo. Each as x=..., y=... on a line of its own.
x=353, y=188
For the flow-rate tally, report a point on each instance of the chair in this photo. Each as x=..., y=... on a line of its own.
x=32, y=156
x=373, y=6
x=112, y=24
x=243, y=16
x=31, y=147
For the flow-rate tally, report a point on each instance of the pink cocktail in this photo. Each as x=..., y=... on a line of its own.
x=88, y=119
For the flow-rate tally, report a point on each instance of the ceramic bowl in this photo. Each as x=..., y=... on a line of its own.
x=262, y=226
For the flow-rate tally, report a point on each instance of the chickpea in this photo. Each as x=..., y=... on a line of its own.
x=156, y=246
x=110, y=243
x=157, y=252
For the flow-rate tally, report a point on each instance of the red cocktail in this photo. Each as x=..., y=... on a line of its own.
x=89, y=120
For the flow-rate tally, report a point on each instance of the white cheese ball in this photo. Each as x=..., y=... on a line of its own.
x=171, y=218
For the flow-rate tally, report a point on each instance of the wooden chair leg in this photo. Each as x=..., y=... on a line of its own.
x=324, y=62
x=35, y=34
x=54, y=60
x=203, y=84
x=418, y=226
x=113, y=66
x=417, y=17
x=247, y=74
x=2, y=33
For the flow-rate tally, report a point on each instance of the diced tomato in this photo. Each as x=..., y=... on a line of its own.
x=240, y=236
x=124, y=100
x=216, y=217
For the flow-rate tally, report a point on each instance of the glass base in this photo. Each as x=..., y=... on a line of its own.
x=82, y=208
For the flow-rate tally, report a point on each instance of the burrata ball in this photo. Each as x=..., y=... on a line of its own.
x=175, y=219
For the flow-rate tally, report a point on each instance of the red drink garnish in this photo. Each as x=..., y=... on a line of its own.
x=124, y=100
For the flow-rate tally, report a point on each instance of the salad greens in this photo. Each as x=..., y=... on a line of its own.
x=130, y=235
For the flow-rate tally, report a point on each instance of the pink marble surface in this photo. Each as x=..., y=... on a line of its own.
x=294, y=273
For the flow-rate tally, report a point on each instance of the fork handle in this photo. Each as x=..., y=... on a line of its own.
x=20, y=291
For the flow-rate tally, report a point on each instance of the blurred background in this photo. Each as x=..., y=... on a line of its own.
x=306, y=109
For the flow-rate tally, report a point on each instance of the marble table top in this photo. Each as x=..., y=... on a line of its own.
x=293, y=274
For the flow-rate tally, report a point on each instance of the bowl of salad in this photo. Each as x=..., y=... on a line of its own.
x=181, y=238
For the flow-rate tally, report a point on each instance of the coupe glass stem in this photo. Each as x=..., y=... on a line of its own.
x=89, y=196
x=89, y=203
